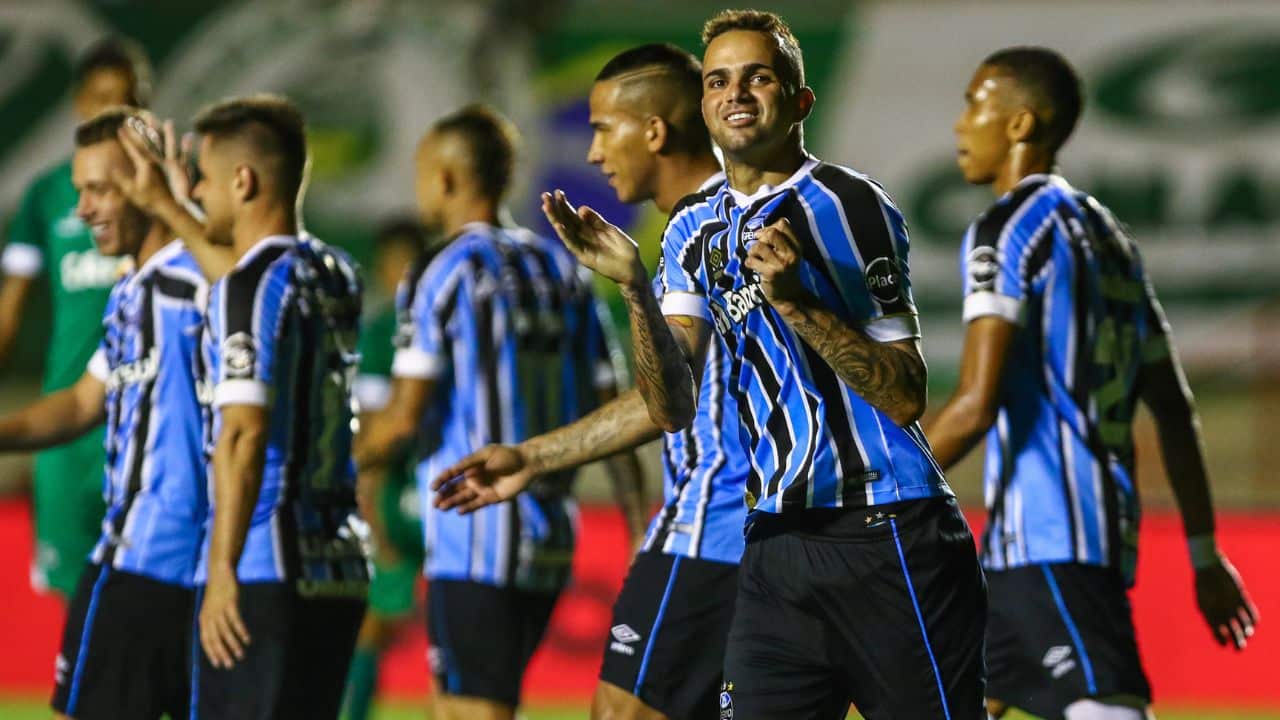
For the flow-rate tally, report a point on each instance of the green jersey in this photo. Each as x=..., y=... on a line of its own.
x=46, y=236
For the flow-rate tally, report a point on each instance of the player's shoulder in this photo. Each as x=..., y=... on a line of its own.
x=1024, y=207
x=177, y=275
x=701, y=199
x=267, y=268
x=847, y=185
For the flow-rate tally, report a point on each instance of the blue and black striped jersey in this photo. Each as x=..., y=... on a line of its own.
x=1059, y=467
x=281, y=332
x=506, y=328
x=704, y=466
x=812, y=441
x=155, y=492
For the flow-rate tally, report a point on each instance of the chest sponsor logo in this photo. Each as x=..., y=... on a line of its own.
x=87, y=269
x=884, y=280
x=144, y=369
x=735, y=304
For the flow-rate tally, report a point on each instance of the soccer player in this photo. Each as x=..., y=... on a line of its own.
x=665, y=647
x=126, y=640
x=859, y=581
x=1063, y=337
x=498, y=342
x=392, y=493
x=282, y=570
x=46, y=235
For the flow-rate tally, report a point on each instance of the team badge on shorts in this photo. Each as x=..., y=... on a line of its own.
x=726, y=701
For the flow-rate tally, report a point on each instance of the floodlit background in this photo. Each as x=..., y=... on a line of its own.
x=1181, y=138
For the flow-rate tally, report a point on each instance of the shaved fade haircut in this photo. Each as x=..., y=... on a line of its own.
x=120, y=54
x=1052, y=86
x=492, y=142
x=104, y=126
x=271, y=126
x=791, y=62
x=664, y=80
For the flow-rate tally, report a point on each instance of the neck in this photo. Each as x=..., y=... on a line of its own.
x=679, y=175
x=469, y=210
x=259, y=223
x=155, y=239
x=747, y=171
x=1023, y=160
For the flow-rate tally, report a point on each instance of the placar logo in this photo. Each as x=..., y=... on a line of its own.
x=1059, y=660
x=623, y=636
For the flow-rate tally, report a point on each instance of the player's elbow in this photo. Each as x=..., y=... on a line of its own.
x=673, y=419
x=910, y=407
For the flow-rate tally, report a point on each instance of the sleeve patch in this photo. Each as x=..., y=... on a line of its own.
x=239, y=356
x=884, y=280
x=984, y=267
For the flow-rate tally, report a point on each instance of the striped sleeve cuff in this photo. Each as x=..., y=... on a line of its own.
x=985, y=302
x=98, y=367
x=240, y=392
x=416, y=364
x=22, y=260
x=372, y=392
x=605, y=377
x=687, y=304
x=894, y=328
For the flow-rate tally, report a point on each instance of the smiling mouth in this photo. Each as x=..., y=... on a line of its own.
x=740, y=118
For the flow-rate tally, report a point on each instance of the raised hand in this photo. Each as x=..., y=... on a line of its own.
x=1224, y=604
x=597, y=243
x=147, y=186
x=490, y=475
x=177, y=162
x=776, y=256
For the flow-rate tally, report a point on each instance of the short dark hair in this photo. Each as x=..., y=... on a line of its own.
x=791, y=71
x=492, y=143
x=103, y=126
x=117, y=53
x=272, y=124
x=1053, y=84
x=402, y=230
x=681, y=73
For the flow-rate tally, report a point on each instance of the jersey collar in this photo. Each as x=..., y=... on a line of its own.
x=264, y=243
x=160, y=257
x=742, y=199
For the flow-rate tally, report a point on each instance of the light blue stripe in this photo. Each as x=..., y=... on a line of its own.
x=911, y=590
x=82, y=653
x=657, y=622
x=1085, y=665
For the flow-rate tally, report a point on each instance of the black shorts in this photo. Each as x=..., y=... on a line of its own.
x=883, y=607
x=295, y=665
x=124, y=648
x=666, y=641
x=483, y=636
x=1061, y=633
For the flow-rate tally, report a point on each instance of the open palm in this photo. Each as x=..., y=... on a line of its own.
x=597, y=243
x=490, y=475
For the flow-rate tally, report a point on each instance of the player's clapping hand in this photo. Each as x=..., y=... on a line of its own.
x=1224, y=603
x=490, y=475
x=775, y=255
x=597, y=243
x=177, y=161
x=222, y=631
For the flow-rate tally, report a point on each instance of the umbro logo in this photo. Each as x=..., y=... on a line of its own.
x=1058, y=659
x=623, y=636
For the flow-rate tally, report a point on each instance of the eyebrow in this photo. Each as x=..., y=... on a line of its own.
x=748, y=68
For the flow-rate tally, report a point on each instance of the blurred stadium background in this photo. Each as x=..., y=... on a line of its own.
x=1181, y=138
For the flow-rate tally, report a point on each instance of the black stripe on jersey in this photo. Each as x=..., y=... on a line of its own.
x=698, y=197
x=241, y=293
x=487, y=358
x=865, y=212
x=175, y=287
x=300, y=446
x=990, y=226
x=142, y=422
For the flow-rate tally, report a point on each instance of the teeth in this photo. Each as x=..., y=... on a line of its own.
x=98, y=228
x=739, y=116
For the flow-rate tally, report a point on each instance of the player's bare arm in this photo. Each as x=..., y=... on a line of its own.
x=13, y=298
x=890, y=376
x=972, y=408
x=627, y=480
x=668, y=361
x=55, y=418
x=387, y=430
x=238, y=460
x=1220, y=593
x=496, y=473
x=151, y=188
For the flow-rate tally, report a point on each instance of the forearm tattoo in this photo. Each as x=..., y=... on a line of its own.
x=663, y=375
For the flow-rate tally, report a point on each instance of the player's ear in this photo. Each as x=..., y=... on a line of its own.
x=1022, y=125
x=804, y=102
x=244, y=183
x=656, y=134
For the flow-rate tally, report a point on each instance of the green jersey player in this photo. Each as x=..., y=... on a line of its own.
x=46, y=236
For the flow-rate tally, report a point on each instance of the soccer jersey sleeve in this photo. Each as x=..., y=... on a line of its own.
x=253, y=305
x=98, y=366
x=681, y=271
x=423, y=308
x=25, y=248
x=1002, y=252
x=1156, y=344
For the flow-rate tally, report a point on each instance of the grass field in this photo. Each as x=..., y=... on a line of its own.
x=31, y=709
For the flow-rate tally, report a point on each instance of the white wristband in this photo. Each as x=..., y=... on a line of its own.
x=1203, y=550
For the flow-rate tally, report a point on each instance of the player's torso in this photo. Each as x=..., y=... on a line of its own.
x=814, y=441
x=80, y=279
x=299, y=529
x=155, y=470
x=1060, y=479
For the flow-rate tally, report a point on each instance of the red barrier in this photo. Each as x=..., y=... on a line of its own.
x=1186, y=666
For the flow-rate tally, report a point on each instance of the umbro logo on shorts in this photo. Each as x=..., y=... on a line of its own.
x=1058, y=658
x=623, y=636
